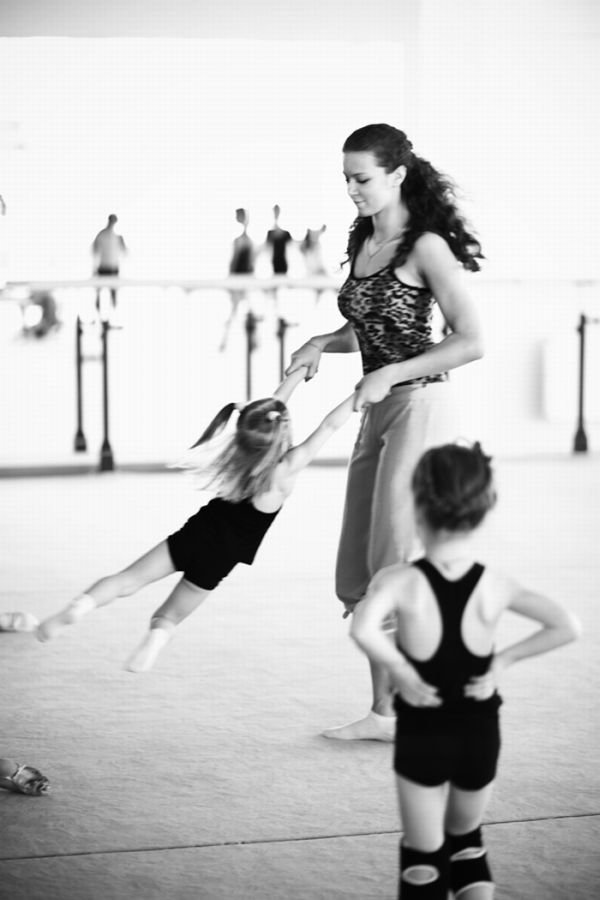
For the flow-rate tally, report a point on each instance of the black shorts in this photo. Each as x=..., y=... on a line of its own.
x=435, y=747
x=196, y=551
x=220, y=535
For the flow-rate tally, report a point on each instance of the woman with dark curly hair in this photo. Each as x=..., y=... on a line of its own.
x=406, y=250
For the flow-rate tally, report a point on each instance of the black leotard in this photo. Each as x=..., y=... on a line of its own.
x=279, y=239
x=452, y=664
x=218, y=536
x=458, y=741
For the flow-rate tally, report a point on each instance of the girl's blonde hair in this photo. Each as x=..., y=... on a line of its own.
x=245, y=466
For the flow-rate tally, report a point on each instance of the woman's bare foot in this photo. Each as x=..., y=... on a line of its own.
x=372, y=728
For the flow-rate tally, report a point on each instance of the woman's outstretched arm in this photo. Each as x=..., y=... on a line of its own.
x=309, y=354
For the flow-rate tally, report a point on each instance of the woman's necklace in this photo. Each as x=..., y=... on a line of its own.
x=379, y=247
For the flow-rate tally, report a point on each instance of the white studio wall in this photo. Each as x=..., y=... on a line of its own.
x=173, y=135
x=250, y=108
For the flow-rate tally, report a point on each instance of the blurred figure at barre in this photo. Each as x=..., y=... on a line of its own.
x=107, y=250
x=242, y=263
x=312, y=252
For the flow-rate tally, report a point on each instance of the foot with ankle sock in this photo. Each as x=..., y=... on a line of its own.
x=144, y=657
x=373, y=727
x=71, y=614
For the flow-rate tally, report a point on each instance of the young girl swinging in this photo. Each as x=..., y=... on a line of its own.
x=254, y=474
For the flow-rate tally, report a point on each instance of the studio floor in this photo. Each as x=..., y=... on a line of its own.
x=207, y=778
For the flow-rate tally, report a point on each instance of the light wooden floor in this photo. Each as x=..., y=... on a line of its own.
x=206, y=778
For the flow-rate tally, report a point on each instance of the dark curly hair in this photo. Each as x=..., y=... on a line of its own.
x=429, y=195
x=453, y=487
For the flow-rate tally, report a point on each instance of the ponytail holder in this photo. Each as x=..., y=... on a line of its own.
x=478, y=449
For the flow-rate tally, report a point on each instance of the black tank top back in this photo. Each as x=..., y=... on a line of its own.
x=452, y=664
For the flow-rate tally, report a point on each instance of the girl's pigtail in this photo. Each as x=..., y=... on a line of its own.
x=217, y=425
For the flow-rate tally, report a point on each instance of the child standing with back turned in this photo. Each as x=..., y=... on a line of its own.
x=255, y=473
x=445, y=670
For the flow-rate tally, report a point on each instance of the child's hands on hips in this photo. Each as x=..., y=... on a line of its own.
x=482, y=687
x=407, y=682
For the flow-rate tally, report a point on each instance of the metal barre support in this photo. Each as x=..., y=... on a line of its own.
x=106, y=463
x=580, y=442
x=282, y=327
x=80, y=443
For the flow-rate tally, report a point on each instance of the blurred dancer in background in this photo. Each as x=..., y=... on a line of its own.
x=242, y=263
x=312, y=252
x=108, y=249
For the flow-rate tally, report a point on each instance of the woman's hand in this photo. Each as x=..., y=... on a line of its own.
x=371, y=389
x=483, y=687
x=308, y=355
x=407, y=682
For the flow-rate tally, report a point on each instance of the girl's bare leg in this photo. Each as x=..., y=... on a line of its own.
x=467, y=852
x=151, y=567
x=183, y=600
x=423, y=855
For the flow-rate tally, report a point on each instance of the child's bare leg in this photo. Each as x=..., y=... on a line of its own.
x=470, y=872
x=424, y=867
x=153, y=565
x=183, y=600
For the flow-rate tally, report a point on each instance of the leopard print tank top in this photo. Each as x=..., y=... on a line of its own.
x=392, y=320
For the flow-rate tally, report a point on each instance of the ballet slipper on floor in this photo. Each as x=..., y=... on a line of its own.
x=18, y=621
x=26, y=780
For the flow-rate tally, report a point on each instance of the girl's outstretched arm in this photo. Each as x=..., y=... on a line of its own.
x=299, y=457
x=290, y=383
